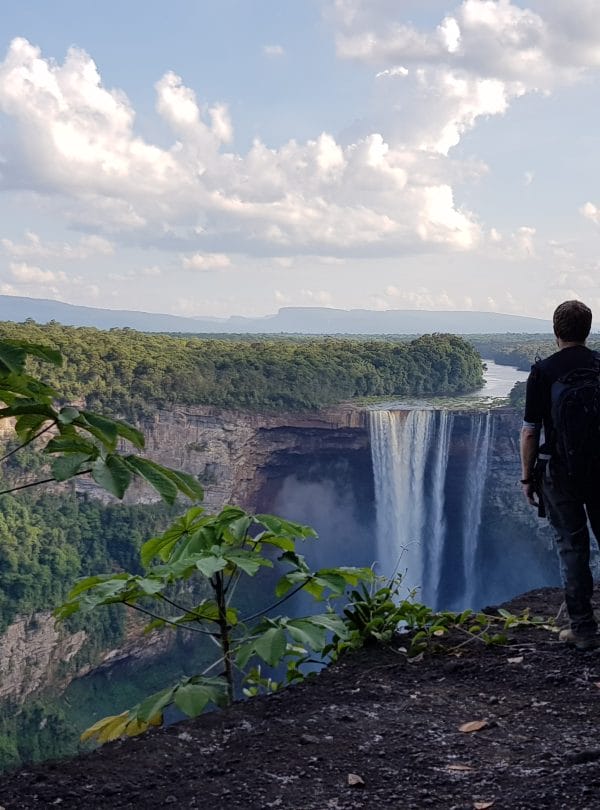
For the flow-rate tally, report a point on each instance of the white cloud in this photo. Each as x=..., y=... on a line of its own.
x=389, y=192
x=78, y=141
x=281, y=298
x=34, y=247
x=395, y=297
x=154, y=270
x=475, y=62
x=591, y=212
x=24, y=273
x=273, y=50
x=206, y=261
x=317, y=296
x=528, y=178
x=398, y=70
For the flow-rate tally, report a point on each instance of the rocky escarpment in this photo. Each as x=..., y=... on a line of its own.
x=256, y=460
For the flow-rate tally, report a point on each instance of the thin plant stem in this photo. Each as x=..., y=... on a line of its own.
x=288, y=595
x=32, y=439
x=38, y=483
x=168, y=621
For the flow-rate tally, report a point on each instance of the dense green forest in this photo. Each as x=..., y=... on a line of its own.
x=46, y=542
x=127, y=372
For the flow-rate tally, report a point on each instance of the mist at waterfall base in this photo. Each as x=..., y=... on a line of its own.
x=445, y=511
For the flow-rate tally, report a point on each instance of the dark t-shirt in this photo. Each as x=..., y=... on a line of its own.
x=539, y=383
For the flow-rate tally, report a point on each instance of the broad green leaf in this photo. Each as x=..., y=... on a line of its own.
x=209, y=564
x=87, y=583
x=278, y=525
x=249, y=561
x=192, y=698
x=42, y=352
x=271, y=646
x=39, y=408
x=71, y=444
x=284, y=543
x=105, y=593
x=330, y=621
x=101, y=427
x=289, y=581
x=244, y=653
x=67, y=415
x=65, y=467
x=112, y=474
x=307, y=633
x=185, y=483
x=130, y=433
x=12, y=358
x=335, y=582
x=154, y=704
x=238, y=528
x=150, y=585
x=28, y=425
x=155, y=476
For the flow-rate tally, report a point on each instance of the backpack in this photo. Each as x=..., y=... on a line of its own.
x=575, y=409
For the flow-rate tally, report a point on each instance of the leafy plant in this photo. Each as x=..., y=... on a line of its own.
x=78, y=441
x=221, y=549
x=378, y=615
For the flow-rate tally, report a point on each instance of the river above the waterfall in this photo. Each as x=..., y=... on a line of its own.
x=499, y=380
x=498, y=383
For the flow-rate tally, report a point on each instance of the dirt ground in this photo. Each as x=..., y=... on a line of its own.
x=375, y=731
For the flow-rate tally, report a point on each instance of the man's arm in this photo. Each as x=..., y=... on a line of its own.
x=530, y=439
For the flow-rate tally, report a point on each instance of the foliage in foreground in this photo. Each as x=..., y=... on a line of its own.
x=76, y=441
x=222, y=550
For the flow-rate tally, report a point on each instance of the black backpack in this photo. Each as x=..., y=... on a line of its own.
x=575, y=399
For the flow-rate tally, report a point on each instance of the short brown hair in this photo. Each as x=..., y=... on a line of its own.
x=572, y=321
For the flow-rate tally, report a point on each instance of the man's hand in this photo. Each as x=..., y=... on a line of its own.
x=529, y=493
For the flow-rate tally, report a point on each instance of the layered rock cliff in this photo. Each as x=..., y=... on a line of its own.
x=316, y=466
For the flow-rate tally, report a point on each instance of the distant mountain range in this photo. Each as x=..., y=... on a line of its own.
x=306, y=320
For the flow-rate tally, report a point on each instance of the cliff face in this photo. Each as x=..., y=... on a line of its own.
x=317, y=468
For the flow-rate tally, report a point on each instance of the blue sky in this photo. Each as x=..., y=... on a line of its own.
x=231, y=157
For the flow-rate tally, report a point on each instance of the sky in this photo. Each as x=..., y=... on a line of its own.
x=221, y=157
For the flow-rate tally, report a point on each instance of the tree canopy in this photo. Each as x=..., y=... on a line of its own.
x=126, y=372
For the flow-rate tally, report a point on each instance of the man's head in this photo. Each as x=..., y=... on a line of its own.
x=572, y=321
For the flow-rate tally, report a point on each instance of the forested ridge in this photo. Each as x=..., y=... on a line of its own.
x=127, y=372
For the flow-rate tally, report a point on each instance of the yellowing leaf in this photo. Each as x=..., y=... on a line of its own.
x=107, y=729
x=354, y=780
x=473, y=725
x=94, y=730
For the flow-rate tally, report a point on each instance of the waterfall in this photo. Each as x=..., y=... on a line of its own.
x=479, y=444
x=411, y=454
x=437, y=524
x=399, y=447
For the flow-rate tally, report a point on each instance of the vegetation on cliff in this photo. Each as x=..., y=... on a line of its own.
x=126, y=372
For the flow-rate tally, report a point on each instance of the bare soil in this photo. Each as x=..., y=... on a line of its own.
x=374, y=731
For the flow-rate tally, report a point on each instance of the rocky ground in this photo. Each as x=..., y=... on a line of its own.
x=375, y=731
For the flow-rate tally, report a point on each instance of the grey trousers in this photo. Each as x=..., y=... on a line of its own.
x=568, y=509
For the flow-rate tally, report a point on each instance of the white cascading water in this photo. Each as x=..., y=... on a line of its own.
x=399, y=448
x=410, y=452
x=437, y=518
x=479, y=442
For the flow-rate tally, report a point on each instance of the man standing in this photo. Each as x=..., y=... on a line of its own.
x=570, y=498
